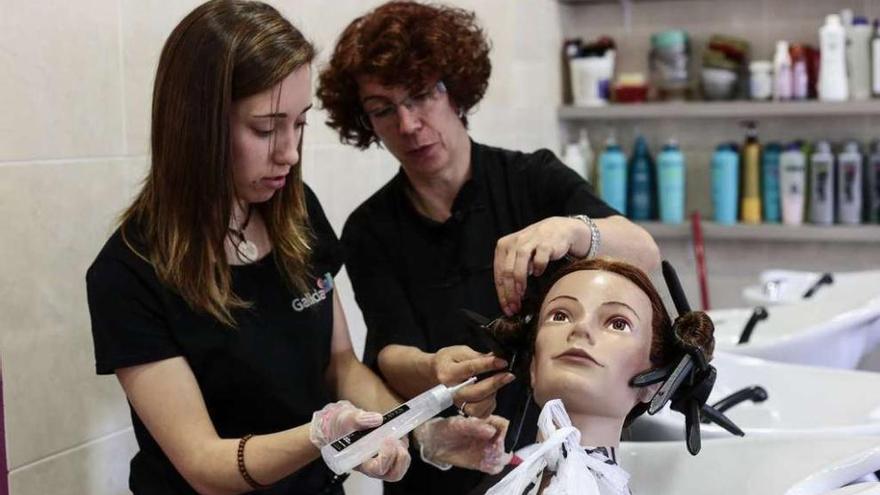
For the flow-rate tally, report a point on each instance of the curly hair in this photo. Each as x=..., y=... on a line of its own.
x=405, y=44
x=518, y=333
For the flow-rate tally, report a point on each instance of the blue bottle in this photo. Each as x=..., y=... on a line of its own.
x=670, y=175
x=612, y=175
x=725, y=183
x=770, y=182
x=642, y=203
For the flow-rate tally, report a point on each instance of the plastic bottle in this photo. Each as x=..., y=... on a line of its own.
x=642, y=202
x=725, y=183
x=875, y=59
x=671, y=183
x=822, y=184
x=612, y=173
x=792, y=183
x=858, y=55
x=832, y=69
x=343, y=454
x=750, y=208
x=574, y=158
x=588, y=155
x=770, y=182
x=782, y=72
x=849, y=184
x=872, y=182
x=800, y=80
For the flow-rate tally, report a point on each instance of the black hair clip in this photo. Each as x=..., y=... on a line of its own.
x=688, y=383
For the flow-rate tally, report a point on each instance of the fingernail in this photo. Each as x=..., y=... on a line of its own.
x=509, y=378
x=499, y=363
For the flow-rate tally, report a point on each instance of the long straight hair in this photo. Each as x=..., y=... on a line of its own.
x=223, y=51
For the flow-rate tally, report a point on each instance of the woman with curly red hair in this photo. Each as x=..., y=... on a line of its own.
x=462, y=224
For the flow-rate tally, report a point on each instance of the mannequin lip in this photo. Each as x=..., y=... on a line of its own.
x=576, y=354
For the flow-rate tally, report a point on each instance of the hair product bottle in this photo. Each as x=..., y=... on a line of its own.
x=832, y=69
x=612, y=174
x=725, y=183
x=875, y=59
x=822, y=184
x=792, y=183
x=770, y=182
x=671, y=183
x=782, y=72
x=751, y=176
x=642, y=183
x=849, y=184
x=872, y=185
x=858, y=56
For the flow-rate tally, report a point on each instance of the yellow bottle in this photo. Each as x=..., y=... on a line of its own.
x=750, y=206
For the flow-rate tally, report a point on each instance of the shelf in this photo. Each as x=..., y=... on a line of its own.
x=768, y=232
x=720, y=110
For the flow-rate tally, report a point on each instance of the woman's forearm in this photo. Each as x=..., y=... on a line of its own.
x=408, y=370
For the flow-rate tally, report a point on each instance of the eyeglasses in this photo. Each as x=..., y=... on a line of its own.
x=383, y=115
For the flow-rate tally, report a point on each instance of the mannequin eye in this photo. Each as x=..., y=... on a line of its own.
x=619, y=324
x=559, y=315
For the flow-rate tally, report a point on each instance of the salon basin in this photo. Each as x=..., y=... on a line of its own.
x=800, y=400
x=754, y=466
x=790, y=286
x=872, y=488
x=833, y=328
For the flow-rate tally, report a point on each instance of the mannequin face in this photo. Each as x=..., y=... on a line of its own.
x=594, y=335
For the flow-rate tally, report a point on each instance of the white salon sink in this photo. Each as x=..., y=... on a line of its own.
x=753, y=466
x=789, y=286
x=834, y=328
x=801, y=400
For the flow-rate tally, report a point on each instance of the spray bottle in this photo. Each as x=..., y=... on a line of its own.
x=750, y=208
x=822, y=184
x=342, y=455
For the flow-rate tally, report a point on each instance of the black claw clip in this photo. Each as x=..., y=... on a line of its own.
x=688, y=383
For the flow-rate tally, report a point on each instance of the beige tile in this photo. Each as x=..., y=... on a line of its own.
x=145, y=26
x=97, y=468
x=58, y=215
x=62, y=94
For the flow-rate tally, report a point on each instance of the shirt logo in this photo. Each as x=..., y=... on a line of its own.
x=325, y=285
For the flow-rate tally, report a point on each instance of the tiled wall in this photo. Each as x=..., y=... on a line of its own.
x=75, y=93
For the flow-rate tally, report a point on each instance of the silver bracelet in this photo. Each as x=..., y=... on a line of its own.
x=595, y=237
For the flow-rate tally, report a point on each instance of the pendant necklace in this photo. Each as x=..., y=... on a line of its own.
x=245, y=250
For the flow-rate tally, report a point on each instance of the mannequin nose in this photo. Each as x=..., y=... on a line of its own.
x=582, y=330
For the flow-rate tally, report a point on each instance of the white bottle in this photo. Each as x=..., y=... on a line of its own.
x=573, y=156
x=343, y=454
x=849, y=185
x=858, y=55
x=793, y=184
x=782, y=72
x=875, y=59
x=832, y=68
x=589, y=156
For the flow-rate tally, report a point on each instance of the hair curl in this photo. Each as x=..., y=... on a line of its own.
x=517, y=334
x=406, y=44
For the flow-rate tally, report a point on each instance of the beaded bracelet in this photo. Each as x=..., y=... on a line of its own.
x=241, y=467
x=595, y=236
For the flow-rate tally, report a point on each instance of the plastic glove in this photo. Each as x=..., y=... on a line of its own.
x=338, y=419
x=471, y=443
x=390, y=463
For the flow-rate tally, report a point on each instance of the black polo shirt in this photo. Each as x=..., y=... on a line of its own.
x=411, y=274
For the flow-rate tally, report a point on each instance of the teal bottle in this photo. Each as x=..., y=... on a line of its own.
x=671, y=183
x=642, y=183
x=612, y=173
x=770, y=182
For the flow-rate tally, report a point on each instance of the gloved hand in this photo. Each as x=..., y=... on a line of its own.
x=471, y=443
x=341, y=418
x=390, y=463
x=338, y=419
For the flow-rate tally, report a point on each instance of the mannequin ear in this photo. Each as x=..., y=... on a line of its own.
x=645, y=394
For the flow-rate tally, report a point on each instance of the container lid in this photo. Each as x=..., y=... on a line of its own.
x=794, y=146
x=823, y=147
x=669, y=39
x=851, y=147
x=860, y=20
x=832, y=20
x=761, y=66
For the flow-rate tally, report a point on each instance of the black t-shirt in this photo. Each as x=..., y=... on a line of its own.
x=411, y=275
x=265, y=376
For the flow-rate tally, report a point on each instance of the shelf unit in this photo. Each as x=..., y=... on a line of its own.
x=719, y=110
x=768, y=232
